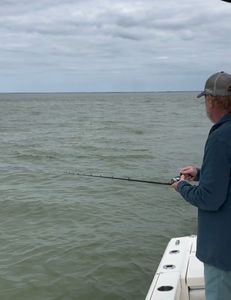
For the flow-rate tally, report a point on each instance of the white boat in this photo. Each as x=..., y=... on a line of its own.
x=180, y=275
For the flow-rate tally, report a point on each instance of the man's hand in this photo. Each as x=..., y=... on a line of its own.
x=175, y=184
x=190, y=172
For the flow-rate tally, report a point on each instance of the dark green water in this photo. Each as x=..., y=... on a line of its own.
x=70, y=237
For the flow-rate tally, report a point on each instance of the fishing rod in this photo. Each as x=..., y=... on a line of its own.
x=126, y=178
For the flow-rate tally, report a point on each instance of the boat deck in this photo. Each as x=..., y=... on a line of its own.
x=180, y=275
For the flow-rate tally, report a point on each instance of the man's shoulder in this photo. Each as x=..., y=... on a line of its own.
x=221, y=134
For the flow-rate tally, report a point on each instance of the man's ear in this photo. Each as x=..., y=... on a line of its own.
x=210, y=101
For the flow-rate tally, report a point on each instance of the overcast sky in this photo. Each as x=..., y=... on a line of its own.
x=112, y=45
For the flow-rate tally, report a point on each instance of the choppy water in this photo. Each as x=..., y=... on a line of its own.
x=69, y=237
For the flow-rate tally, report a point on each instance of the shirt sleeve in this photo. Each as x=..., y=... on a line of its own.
x=197, y=178
x=213, y=187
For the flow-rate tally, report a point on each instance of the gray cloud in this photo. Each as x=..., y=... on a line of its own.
x=86, y=45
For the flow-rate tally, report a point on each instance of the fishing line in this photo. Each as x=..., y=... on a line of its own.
x=125, y=178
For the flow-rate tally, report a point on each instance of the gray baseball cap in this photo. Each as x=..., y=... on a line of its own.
x=219, y=84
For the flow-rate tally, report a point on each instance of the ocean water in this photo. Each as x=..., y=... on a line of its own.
x=65, y=236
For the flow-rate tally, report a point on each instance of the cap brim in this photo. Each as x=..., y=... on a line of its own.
x=201, y=94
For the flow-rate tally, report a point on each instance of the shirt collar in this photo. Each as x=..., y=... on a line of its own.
x=224, y=119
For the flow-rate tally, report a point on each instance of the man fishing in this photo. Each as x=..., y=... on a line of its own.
x=212, y=195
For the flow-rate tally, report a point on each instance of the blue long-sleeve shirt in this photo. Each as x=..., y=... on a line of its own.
x=212, y=197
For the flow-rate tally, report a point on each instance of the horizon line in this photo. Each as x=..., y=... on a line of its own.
x=98, y=92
